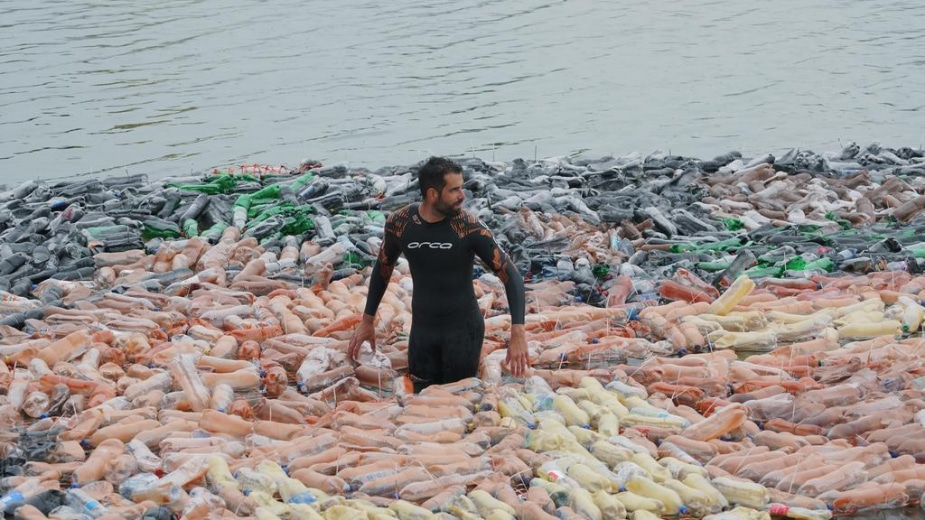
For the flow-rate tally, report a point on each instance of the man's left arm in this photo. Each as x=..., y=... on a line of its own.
x=487, y=248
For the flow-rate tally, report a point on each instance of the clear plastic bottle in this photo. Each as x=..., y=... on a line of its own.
x=222, y=397
x=120, y=468
x=130, y=486
x=144, y=457
x=84, y=503
x=185, y=373
x=36, y=404
x=201, y=502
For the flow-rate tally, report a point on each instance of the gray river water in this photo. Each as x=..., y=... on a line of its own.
x=104, y=87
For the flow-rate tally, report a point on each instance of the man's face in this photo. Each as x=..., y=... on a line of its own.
x=452, y=197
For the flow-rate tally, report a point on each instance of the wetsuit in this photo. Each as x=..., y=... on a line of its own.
x=447, y=328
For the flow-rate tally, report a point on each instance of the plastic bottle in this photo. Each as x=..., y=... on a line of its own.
x=743, y=260
x=10, y=500
x=222, y=398
x=870, y=329
x=120, y=468
x=291, y=490
x=84, y=503
x=573, y=415
x=698, y=502
x=36, y=404
x=798, y=513
x=742, y=492
x=912, y=314
x=702, y=484
x=721, y=422
x=672, y=290
x=183, y=369
x=509, y=406
x=251, y=480
x=589, y=479
x=144, y=457
x=733, y=295
x=646, y=487
x=201, y=502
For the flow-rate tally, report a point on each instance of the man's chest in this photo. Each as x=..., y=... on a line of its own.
x=421, y=243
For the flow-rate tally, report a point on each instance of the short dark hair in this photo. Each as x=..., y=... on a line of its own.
x=431, y=174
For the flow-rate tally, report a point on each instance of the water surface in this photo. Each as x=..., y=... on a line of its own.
x=181, y=86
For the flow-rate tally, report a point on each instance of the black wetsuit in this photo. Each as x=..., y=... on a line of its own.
x=447, y=328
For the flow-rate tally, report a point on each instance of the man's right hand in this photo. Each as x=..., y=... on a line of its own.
x=366, y=331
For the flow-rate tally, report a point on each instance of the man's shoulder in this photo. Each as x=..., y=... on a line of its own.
x=403, y=213
x=468, y=218
x=398, y=220
x=467, y=224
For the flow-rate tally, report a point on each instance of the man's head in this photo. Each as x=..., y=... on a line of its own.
x=441, y=183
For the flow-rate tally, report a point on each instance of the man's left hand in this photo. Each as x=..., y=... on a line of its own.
x=517, y=358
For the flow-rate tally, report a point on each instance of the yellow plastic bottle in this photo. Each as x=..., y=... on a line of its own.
x=267, y=503
x=251, y=480
x=611, y=508
x=912, y=314
x=604, y=397
x=586, y=437
x=589, y=479
x=698, y=502
x=680, y=469
x=573, y=415
x=408, y=511
x=583, y=504
x=591, y=408
x=512, y=407
x=345, y=512
x=733, y=295
x=856, y=330
x=558, y=493
x=608, y=424
x=744, y=493
x=642, y=514
x=648, y=488
x=609, y=454
x=665, y=420
x=702, y=484
x=754, y=340
x=635, y=502
x=292, y=491
x=658, y=472
x=542, y=441
x=485, y=504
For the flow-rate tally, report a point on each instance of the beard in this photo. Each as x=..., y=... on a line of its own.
x=447, y=210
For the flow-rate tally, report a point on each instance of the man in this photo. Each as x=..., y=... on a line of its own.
x=440, y=241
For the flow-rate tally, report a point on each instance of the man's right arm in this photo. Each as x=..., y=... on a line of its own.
x=382, y=270
x=378, y=283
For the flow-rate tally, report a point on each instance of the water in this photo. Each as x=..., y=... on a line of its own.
x=181, y=86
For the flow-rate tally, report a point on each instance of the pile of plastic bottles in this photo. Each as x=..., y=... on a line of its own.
x=178, y=348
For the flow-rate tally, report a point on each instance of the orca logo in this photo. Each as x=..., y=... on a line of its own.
x=432, y=245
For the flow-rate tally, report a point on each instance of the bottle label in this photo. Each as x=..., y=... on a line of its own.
x=15, y=496
x=555, y=475
x=302, y=498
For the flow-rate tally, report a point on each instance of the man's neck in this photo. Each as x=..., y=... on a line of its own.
x=429, y=214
